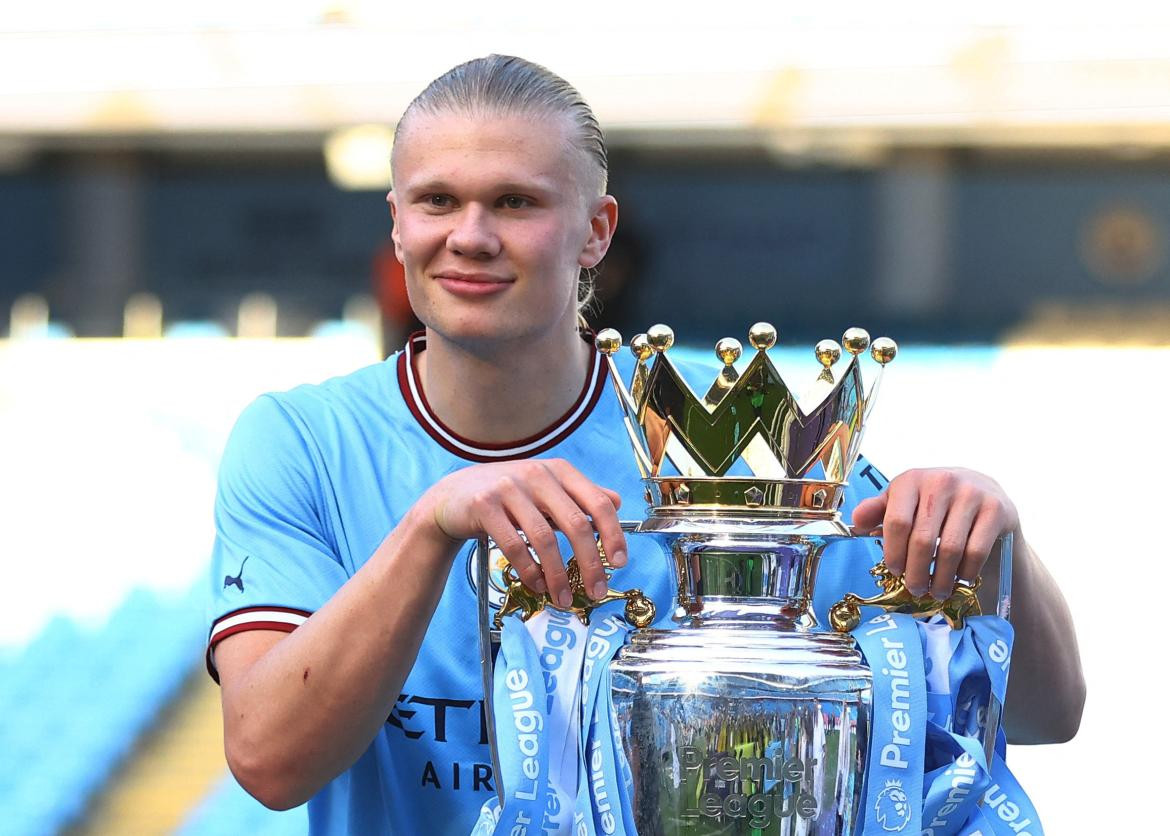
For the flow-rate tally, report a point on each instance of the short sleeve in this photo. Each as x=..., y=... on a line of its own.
x=274, y=561
x=864, y=482
x=845, y=565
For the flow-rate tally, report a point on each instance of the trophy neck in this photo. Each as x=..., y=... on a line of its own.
x=740, y=573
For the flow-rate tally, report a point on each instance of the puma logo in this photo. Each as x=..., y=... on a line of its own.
x=237, y=580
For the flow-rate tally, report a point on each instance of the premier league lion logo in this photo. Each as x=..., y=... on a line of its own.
x=893, y=807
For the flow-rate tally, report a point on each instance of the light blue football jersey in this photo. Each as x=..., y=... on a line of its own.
x=311, y=482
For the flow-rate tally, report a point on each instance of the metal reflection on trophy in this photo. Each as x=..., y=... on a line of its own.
x=744, y=719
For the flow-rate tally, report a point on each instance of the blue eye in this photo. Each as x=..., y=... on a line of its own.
x=514, y=201
x=439, y=201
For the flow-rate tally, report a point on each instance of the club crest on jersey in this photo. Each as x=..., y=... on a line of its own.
x=497, y=586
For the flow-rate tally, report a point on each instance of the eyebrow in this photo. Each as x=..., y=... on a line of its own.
x=538, y=185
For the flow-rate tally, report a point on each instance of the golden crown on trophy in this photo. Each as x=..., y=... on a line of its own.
x=749, y=443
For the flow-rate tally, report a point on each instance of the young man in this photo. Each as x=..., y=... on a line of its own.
x=353, y=501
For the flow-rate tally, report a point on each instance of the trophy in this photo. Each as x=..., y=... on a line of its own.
x=748, y=716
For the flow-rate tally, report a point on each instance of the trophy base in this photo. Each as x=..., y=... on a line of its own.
x=743, y=729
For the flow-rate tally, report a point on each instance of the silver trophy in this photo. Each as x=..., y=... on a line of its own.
x=748, y=716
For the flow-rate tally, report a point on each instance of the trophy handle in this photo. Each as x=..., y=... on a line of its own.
x=1003, y=601
x=1003, y=608
x=845, y=615
x=639, y=612
x=486, y=659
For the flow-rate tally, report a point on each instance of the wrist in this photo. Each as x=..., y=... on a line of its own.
x=423, y=519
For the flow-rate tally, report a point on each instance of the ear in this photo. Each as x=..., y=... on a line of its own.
x=602, y=225
x=391, y=199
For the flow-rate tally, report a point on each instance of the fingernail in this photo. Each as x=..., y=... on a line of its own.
x=598, y=590
x=917, y=589
x=540, y=586
x=938, y=596
x=619, y=557
x=565, y=598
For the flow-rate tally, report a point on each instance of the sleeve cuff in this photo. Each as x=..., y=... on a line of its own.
x=283, y=619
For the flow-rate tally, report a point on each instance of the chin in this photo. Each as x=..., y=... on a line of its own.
x=477, y=330
x=487, y=332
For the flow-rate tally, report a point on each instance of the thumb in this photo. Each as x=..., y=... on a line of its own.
x=869, y=513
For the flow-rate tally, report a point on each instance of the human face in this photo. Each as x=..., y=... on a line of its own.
x=493, y=220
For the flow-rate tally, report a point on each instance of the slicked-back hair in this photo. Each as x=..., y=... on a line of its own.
x=507, y=85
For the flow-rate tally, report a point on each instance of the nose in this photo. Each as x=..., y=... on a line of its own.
x=474, y=234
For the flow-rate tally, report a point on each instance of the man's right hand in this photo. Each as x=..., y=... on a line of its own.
x=537, y=497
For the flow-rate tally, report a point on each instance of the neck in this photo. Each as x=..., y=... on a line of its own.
x=503, y=391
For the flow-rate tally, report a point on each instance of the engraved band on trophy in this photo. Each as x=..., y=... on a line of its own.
x=746, y=718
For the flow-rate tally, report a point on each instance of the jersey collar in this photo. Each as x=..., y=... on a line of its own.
x=478, y=451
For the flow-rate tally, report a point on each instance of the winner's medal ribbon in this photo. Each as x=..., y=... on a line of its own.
x=893, y=793
x=978, y=671
x=521, y=728
x=560, y=762
x=960, y=672
x=605, y=793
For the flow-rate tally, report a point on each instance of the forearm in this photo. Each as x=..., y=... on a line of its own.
x=305, y=710
x=1046, y=688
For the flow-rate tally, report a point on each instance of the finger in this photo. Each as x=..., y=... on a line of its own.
x=599, y=504
x=497, y=525
x=868, y=514
x=934, y=501
x=952, y=545
x=615, y=498
x=988, y=525
x=572, y=520
x=543, y=540
x=901, y=504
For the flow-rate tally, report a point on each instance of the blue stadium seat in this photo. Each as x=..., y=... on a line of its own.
x=341, y=328
x=197, y=329
x=74, y=703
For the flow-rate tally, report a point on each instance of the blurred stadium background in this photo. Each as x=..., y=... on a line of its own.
x=192, y=212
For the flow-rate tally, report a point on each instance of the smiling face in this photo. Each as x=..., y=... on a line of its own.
x=494, y=216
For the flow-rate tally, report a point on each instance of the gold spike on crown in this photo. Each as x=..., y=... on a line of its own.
x=747, y=443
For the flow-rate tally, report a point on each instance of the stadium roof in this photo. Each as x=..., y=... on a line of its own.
x=848, y=75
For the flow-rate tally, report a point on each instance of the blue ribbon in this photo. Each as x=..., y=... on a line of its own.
x=961, y=672
x=927, y=772
x=521, y=731
x=607, y=788
x=892, y=801
x=587, y=786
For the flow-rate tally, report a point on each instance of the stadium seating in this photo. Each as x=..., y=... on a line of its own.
x=75, y=701
x=195, y=329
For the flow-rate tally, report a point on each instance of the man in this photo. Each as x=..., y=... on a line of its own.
x=353, y=500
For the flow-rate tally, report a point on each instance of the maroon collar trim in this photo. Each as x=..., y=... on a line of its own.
x=478, y=451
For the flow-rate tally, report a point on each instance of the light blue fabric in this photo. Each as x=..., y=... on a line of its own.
x=311, y=482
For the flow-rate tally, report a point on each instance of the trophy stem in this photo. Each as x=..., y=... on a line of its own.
x=726, y=580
